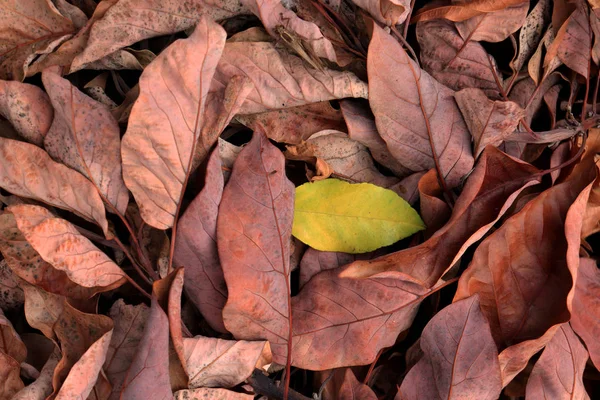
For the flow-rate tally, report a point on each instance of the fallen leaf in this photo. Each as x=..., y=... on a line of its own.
x=28, y=171
x=129, y=322
x=148, y=374
x=282, y=80
x=314, y=261
x=27, y=108
x=489, y=122
x=255, y=257
x=9, y=376
x=10, y=342
x=211, y=394
x=42, y=387
x=572, y=43
x=436, y=136
x=130, y=21
x=341, y=322
x=558, y=374
x=60, y=244
x=85, y=137
x=434, y=210
x=361, y=127
x=27, y=264
x=585, y=302
x=389, y=12
x=42, y=309
x=28, y=30
x=11, y=295
x=461, y=10
x=210, y=362
x=482, y=203
x=196, y=248
x=531, y=33
x=454, y=62
x=460, y=358
x=333, y=215
x=344, y=385
x=494, y=26
x=157, y=161
x=295, y=124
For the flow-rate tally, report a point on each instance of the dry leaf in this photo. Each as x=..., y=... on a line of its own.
x=585, y=307
x=389, y=12
x=436, y=136
x=494, y=26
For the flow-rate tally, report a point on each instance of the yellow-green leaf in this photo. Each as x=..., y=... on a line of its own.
x=333, y=215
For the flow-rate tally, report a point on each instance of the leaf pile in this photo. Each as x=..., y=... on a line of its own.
x=342, y=199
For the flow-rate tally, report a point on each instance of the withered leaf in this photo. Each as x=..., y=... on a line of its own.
x=166, y=121
x=28, y=171
x=344, y=385
x=28, y=109
x=459, y=355
x=436, y=136
x=494, y=26
x=255, y=255
x=85, y=137
x=60, y=244
x=211, y=394
x=489, y=121
x=389, y=12
x=558, y=374
x=531, y=32
x=572, y=43
x=10, y=342
x=11, y=295
x=584, y=319
x=454, y=62
x=42, y=387
x=461, y=10
x=196, y=248
x=9, y=376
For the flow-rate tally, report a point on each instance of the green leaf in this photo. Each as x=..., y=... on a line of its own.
x=333, y=215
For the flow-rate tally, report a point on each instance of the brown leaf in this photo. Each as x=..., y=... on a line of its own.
x=341, y=322
x=28, y=109
x=255, y=256
x=454, y=62
x=60, y=244
x=347, y=158
x=434, y=211
x=389, y=12
x=295, y=124
x=489, y=122
x=10, y=382
x=211, y=394
x=462, y=10
x=166, y=121
x=572, y=44
x=210, y=362
x=361, y=127
x=436, y=136
x=84, y=339
x=42, y=309
x=196, y=248
x=10, y=342
x=494, y=26
x=28, y=171
x=42, y=387
x=558, y=374
x=314, y=261
x=11, y=295
x=531, y=33
x=275, y=16
x=85, y=137
x=344, y=385
x=281, y=80
x=460, y=357
x=131, y=21
x=28, y=30
x=489, y=192
x=584, y=319
x=148, y=375
x=129, y=323
x=525, y=291
x=27, y=264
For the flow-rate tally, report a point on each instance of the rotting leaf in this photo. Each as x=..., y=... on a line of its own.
x=333, y=215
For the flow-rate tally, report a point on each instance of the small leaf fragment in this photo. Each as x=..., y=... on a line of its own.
x=333, y=215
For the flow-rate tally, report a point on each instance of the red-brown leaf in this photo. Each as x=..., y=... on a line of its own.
x=166, y=122
x=344, y=385
x=85, y=136
x=253, y=231
x=389, y=12
x=436, y=136
x=460, y=357
x=494, y=26
x=10, y=382
x=585, y=318
x=558, y=374
x=60, y=244
x=28, y=171
x=572, y=43
x=28, y=108
x=211, y=394
x=196, y=248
